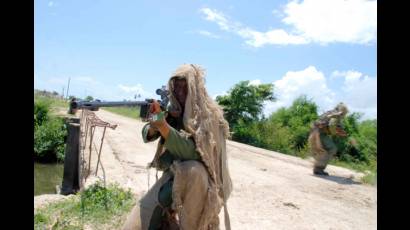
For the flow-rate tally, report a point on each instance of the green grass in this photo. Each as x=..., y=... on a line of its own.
x=54, y=104
x=370, y=178
x=50, y=131
x=97, y=207
x=370, y=170
x=52, y=101
x=132, y=112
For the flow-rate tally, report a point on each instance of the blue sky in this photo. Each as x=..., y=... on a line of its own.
x=112, y=50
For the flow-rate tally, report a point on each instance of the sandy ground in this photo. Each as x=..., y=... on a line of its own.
x=271, y=190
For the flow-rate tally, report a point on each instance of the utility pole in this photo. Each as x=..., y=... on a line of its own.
x=68, y=87
x=62, y=94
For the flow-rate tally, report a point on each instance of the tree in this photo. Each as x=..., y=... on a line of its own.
x=367, y=140
x=245, y=102
x=89, y=98
x=348, y=148
x=298, y=118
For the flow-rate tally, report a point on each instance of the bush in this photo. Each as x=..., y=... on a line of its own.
x=287, y=131
x=41, y=110
x=243, y=132
x=97, y=197
x=367, y=140
x=244, y=102
x=265, y=134
x=49, y=140
x=89, y=98
x=297, y=119
x=274, y=137
x=361, y=144
x=49, y=131
x=304, y=151
x=97, y=207
x=49, y=100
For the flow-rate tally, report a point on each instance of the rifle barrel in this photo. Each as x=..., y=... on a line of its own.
x=97, y=104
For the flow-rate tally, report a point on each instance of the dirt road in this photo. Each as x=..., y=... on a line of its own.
x=271, y=190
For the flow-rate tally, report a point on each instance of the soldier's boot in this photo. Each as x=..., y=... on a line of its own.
x=320, y=171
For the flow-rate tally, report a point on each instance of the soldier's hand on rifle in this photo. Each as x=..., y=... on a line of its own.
x=157, y=120
x=155, y=107
x=340, y=132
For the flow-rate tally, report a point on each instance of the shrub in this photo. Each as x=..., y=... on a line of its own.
x=110, y=199
x=96, y=207
x=49, y=140
x=41, y=112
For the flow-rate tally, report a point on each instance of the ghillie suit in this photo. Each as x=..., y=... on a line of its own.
x=200, y=187
x=320, y=138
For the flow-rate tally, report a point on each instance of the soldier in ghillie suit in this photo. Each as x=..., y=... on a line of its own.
x=191, y=152
x=322, y=134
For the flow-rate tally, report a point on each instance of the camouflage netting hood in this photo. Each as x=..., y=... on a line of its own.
x=203, y=120
x=341, y=109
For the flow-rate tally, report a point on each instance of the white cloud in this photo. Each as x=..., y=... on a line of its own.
x=336, y=74
x=218, y=17
x=119, y=93
x=359, y=92
x=278, y=13
x=208, y=34
x=351, y=77
x=325, y=21
x=320, y=21
x=255, y=82
x=131, y=89
x=252, y=37
x=136, y=90
x=259, y=39
x=82, y=86
x=309, y=82
x=219, y=94
x=50, y=3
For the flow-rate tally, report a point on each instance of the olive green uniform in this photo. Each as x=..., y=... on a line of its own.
x=177, y=147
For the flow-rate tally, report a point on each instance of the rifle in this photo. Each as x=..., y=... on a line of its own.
x=144, y=105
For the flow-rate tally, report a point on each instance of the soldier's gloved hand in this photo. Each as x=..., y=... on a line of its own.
x=156, y=117
x=340, y=132
x=157, y=120
x=154, y=107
